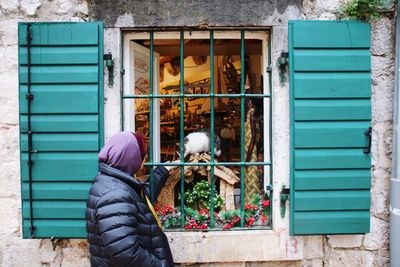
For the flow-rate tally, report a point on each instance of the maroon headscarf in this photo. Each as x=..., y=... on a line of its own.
x=123, y=152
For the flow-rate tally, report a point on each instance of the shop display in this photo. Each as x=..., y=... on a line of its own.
x=196, y=146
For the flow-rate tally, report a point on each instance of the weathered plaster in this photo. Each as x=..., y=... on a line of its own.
x=164, y=13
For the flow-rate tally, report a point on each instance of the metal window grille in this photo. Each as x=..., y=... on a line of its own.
x=212, y=96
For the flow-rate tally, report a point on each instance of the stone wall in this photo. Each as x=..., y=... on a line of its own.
x=353, y=250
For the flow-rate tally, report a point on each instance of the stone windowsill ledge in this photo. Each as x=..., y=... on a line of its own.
x=235, y=246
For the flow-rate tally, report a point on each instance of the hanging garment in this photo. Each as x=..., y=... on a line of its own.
x=251, y=177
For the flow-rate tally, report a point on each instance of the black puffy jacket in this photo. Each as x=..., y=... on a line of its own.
x=121, y=229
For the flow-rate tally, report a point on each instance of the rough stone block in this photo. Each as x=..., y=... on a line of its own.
x=11, y=58
x=381, y=153
x=78, y=246
x=9, y=6
x=313, y=247
x=20, y=252
x=382, y=99
x=73, y=261
x=30, y=7
x=83, y=8
x=382, y=66
x=9, y=211
x=327, y=16
x=9, y=179
x=380, y=196
x=9, y=143
x=345, y=241
x=313, y=263
x=350, y=258
x=382, y=41
x=8, y=30
x=46, y=252
x=3, y=59
x=64, y=7
x=328, y=5
x=379, y=235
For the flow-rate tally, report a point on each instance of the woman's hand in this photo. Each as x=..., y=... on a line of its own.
x=170, y=168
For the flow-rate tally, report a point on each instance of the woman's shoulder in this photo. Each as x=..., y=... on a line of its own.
x=106, y=186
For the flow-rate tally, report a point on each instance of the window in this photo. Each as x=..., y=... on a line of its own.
x=61, y=133
x=196, y=85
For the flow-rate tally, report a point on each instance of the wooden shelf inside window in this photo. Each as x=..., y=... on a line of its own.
x=167, y=123
x=142, y=112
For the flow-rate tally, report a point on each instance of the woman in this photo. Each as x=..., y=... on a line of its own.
x=122, y=227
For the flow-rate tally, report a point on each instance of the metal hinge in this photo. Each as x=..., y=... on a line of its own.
x=368, y=134
x=29, y=97
x=285, y=193
x=269, y=187
x=107, y=56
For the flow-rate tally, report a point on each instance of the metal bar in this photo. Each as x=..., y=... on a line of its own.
x=270, y=127
x=122, y=84
x=29, y=98
x=151, y=110
x=242, y=117
x=212, y=127
x=182, y=132
x=196, y=96
x=208, y=164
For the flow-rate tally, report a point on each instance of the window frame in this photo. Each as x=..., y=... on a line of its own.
x=263, y=34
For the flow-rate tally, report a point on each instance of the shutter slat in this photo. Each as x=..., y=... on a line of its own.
x=61, y=123
x=330, y=34
x=56, y=209
x=332, y=222
x=332, y=179
x=60, y=74
x=331, y=159
x=66, y=124
x=61, y=99
x=57, y=190
x=331, y=110
x=61, y=55
x=330, y=87
x=61, y=228
x=57, y=142
x=332, y=200
x=58, y=166
x=331, y=134
x=54, y=34
x=332, y=60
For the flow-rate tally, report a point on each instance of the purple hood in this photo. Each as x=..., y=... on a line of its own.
x=122, y=152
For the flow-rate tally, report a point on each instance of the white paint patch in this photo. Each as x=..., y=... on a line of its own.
x=125, y=20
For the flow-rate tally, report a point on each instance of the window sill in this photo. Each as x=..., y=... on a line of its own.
x=234, y=246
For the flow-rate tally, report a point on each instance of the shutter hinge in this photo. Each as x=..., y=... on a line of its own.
x=368, y=134
x=107, y=56
x=282, y=64
x=110, y=67
x=29, y=96
x=269, y=187
x=285, y=192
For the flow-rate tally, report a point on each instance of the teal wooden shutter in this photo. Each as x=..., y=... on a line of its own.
x=330, y=85
x=66, y=115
